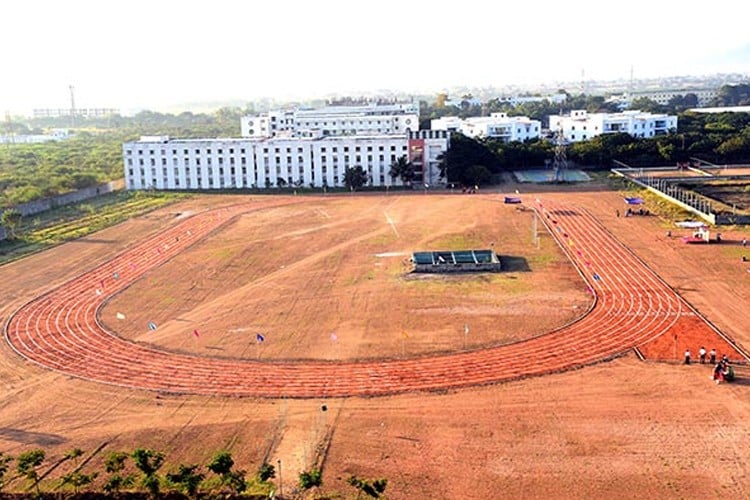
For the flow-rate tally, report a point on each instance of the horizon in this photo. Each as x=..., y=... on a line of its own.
x=159, y=57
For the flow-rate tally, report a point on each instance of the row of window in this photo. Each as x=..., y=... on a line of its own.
x=323, y=149
x=232, y=170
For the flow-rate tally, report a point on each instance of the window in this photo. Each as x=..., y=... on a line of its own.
x=130, y=162
x=208, y=151
x=129, y=152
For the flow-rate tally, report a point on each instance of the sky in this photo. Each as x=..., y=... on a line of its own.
x=159, y=54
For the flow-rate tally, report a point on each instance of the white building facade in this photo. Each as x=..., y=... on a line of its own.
x=497, y=125
x=159, y=162
x=369, y=119
x=704, y=96
x=581, y=125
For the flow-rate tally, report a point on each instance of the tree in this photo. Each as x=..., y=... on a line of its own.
x=27, y=464
x=10, y=220
x=187, y=479
x=309, y=479
x=373, y=488
x=76, y=478
x=4, y=461
x=402, y=169
x=266, y=471
x=355, y=177
x=114, y=464
x=148, y=462
x=222, y=464
x=476, y=175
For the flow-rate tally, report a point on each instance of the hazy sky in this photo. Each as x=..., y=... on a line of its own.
x=158, y=53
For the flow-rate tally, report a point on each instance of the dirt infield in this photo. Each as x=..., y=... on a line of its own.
x=212, y=279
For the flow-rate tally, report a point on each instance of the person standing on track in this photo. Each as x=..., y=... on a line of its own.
x=712, y=356
x=702, y=355
x=687, y=356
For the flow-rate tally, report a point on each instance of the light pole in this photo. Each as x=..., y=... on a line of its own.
x=281, y=491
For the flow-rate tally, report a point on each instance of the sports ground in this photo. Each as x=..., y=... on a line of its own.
x=559, y=375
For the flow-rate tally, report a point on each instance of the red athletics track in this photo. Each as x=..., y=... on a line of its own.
x=60, y=331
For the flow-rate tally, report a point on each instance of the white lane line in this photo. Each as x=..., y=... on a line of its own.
x=393, y=226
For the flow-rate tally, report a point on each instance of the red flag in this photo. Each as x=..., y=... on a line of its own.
x=195, y=332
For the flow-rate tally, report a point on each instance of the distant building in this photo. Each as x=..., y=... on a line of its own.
x=517, y=100
x=461, y=103
x=723, y=109
x=497, y=125
x=581, y=125
x=81, y=112
x=374, y=119
x=663, y=97
x=56, y=134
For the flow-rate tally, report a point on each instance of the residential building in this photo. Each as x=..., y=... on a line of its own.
x=581, y=125
x=497, y=125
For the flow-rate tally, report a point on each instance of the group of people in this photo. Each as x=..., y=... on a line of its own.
x=630, y=212
x=722, y=369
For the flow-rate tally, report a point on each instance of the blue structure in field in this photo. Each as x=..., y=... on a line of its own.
x=456, y=261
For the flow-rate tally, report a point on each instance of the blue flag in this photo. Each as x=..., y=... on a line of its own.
x=259, y=337
x=151, y=325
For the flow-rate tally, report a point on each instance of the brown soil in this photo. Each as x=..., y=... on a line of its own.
x=621, y=428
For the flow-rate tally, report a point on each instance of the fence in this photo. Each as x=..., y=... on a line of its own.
x=36, y=206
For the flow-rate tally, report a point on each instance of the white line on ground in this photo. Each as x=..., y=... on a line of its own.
x=393, y=226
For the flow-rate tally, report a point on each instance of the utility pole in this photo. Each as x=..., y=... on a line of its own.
x=8, y=129
x=72, y=106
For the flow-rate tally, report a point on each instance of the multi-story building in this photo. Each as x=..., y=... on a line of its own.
x=581, y=125
x=162, y=163
x=663, y=97
x=497, y=125
x=82, y=112
x=368, y=119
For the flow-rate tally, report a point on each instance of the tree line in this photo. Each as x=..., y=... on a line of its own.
x=140, y=471
x=94, y=154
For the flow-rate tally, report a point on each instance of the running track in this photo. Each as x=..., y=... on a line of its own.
x=60, y=330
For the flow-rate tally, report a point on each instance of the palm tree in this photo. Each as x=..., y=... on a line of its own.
x=403, y=169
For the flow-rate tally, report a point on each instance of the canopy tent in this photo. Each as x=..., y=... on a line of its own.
x=634, y=201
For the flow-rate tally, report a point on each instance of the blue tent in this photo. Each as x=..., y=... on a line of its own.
x=634, y=201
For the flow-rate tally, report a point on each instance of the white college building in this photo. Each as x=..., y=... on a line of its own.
x=163, y=163
x=367, y=119
x=497, y=125
x=581, y=125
